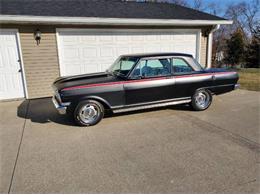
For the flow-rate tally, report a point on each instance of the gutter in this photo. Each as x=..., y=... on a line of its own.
x=209, y=44
x=23, y=19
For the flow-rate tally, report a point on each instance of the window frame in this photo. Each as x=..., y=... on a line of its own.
x=151, y=58
x=129, y=72
x=181, y=73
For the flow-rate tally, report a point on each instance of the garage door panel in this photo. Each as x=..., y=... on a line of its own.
x=107, y=51
x=88, y=46
x=88, y=38
x=138, y=49
x=166, y=48
x=152, y=48
x=106, y=38
x=74, y=69
x=122, y=50
x=69, y=39
x=137, y=38
x=91, y=68
x=90, y=52
x=71, y=53
x=105, y=66
x=122, y=38
x=166, y=37
x=151, y=37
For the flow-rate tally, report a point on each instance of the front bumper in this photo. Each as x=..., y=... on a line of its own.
x=237, y=86
x=60, y=108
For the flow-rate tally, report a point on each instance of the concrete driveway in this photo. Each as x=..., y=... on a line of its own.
x=171, y=150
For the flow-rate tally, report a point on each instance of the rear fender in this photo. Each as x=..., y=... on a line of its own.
x=209, y=89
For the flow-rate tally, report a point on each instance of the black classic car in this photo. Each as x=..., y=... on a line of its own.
x=138, y=82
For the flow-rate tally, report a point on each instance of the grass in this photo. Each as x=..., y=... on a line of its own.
x=249, y=78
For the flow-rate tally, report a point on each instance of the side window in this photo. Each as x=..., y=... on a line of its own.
x=153, y=68
x=181, y=66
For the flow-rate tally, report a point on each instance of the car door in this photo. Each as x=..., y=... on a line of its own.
x=187, y=79
x=150, y=81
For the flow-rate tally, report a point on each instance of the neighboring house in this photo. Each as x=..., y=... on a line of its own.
x=84, y=36
x=219, y=56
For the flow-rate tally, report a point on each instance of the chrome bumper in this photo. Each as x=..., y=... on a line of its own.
x=61, y=109
x=237, y=86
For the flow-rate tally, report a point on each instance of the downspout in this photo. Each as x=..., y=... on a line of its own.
x=209, y=45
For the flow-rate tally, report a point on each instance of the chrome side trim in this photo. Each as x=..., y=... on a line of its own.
x=150, y=103
x=152, y=106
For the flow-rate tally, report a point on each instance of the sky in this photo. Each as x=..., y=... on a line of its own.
x=222, y=4
x=222, y=1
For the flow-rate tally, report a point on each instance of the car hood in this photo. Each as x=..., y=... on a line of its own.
x=94, y=78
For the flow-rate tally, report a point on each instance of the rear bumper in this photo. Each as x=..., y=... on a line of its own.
x=60, y=108
x=236, y=86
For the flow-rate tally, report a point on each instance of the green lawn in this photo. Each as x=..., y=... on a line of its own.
x=249, y=78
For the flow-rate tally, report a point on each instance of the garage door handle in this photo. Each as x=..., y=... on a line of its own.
x=20, y=70
x=19, y=60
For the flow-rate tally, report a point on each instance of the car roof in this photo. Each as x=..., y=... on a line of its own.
x=147, y=55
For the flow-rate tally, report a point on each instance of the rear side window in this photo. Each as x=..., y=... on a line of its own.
x=180, y=66
x=153, y=68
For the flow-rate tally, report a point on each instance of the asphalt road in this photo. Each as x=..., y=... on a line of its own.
x=170, y=150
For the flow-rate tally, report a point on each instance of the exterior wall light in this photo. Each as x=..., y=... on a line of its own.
x=37, y=36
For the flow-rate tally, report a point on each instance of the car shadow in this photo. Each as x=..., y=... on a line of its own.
x=43, y=111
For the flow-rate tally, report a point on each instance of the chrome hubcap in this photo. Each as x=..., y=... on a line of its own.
x=202, y=99
x=88, y=113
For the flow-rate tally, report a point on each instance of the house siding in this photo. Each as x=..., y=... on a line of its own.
x=41, y=62
x=203, y=50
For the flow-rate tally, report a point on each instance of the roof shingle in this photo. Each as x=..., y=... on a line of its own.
x=101, y=9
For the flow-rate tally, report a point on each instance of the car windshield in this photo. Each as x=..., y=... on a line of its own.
x=122, y=66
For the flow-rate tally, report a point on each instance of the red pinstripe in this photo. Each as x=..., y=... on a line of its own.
x=143, y=80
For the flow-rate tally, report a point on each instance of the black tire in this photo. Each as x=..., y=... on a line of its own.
x=87, y=108
x=199, y=105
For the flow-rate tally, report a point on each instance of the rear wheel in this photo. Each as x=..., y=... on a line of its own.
x=201, y=100
x=88, y=113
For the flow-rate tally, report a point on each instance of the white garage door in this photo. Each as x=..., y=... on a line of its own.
x=87, y=51
x=11, y=83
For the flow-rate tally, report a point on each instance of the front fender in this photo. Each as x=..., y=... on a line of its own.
x=104, y=102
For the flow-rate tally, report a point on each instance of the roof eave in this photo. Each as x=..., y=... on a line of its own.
x=21, y=19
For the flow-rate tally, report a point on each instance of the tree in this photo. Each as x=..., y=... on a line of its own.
x=245, y=15
x=198, y=5
x=179, y=2
x=235, y=48
x=253, y=51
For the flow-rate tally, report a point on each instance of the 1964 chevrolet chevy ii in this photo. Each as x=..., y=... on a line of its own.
x=141, y=81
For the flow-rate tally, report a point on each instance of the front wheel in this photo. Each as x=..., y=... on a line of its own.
x=88, y=113
x=201, y=100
